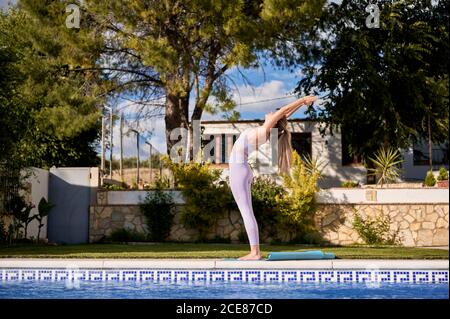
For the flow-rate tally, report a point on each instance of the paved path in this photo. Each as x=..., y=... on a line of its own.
x=222, y=264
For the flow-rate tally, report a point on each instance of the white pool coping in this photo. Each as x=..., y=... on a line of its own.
x=222, y=264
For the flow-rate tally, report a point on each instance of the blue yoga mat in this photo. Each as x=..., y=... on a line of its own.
x=300, y=255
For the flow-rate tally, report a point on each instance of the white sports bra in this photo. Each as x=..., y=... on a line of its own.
x=246, y=144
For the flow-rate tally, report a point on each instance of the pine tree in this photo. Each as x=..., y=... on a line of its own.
x=47, y=117
x=381, y=85
x=148, y=49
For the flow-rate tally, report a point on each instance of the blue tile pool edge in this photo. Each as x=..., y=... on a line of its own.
x=434, y=276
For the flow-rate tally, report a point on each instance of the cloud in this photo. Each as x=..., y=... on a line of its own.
x=157, y=139
x=242, y=95
x=253, y=101
x=5, y=3
x=248, y=98
x=150, y=129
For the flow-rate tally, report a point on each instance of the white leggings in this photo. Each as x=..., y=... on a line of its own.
x=241, y=177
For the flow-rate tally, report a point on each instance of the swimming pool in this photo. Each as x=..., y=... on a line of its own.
x=222, y=284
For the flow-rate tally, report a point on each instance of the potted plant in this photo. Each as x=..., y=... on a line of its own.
x=442, y=179
x=430, y=180
x=349, y=184
x=386, y=164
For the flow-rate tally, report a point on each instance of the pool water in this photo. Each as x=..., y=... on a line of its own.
x=220, y=290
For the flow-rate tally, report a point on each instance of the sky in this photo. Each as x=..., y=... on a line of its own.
x=4, y=3
x=266, y=83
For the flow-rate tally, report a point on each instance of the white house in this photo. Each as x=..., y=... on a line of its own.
x=307, y=139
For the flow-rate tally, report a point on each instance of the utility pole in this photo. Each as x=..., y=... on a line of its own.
x=150, y=159
x=430, y=144
x=137, y=147
x=110, y=139
x=102, y=165
x=121, y=145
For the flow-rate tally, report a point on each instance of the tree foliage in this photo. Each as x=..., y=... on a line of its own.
x=299, y=203
x=170, y=49
x=47, y=117
x=380, y=84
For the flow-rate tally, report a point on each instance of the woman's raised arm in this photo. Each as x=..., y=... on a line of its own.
x=306, y=100
x=288, y=110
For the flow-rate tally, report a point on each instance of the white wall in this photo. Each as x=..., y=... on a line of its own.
x=383, y=196
x=37, y=186
x=327, y=148
x=136, y=197
x=38, y=182
x=324, y=196
x=415, y=172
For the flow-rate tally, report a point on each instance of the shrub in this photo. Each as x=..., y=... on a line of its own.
x=375, y=231
x=115, y=187
x=298, y=205
x=160, y=182
x=126, y=235
x=430, y=180
x=443, y=174
x=157, y=209
x=386, y=165
x=314, y=166
x=20, y=212
x=349, y=184
x=265, y=205
x=207, y=198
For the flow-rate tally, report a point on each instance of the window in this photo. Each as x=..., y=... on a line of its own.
x=302, y=143
x=222, y=148
x=421, y=155
x=347, y=158
x=215, y=152
x=205, y=140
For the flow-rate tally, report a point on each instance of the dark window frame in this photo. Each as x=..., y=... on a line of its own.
x=346, y=158
x=421, y=156
x=302, y=139
x=223, y=147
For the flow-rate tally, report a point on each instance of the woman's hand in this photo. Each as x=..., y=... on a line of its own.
x=308, y=99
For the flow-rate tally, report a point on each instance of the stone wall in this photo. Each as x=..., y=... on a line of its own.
x=415, y=224
x=103, y=220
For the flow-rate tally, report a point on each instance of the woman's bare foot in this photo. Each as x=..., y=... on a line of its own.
x=251, y=256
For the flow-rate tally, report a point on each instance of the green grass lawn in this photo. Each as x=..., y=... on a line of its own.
x=177, y=250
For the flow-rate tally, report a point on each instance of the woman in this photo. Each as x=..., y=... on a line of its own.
x=241, y=174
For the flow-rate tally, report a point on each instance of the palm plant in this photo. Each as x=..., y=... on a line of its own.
x=314, y=165
x=386, y=165
x=20, y=211
x=44, y=208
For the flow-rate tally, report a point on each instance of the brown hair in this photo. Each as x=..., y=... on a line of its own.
x=284, y=146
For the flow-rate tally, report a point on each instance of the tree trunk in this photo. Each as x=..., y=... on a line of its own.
x=177, y=116
x=196, y=116
x=430, y=144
